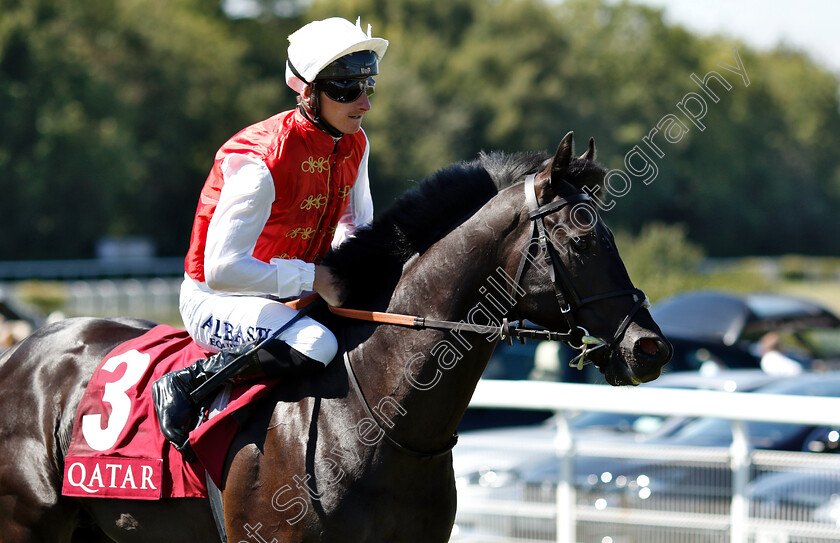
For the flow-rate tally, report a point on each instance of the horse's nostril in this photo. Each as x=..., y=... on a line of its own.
x=653, y=349
x=648, y=346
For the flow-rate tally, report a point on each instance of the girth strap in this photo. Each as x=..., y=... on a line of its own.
x=216, y=507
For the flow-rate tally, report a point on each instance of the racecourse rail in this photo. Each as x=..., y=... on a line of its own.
x=564, y=398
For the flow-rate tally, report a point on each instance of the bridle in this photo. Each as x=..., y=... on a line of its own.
x=565, y=293
x=564, y=289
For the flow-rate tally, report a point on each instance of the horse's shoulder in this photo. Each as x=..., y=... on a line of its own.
x=297, y=402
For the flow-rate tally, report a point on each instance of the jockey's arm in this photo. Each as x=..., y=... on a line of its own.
x=241, y=214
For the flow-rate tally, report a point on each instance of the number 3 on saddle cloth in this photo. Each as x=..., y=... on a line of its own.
x=117, y=449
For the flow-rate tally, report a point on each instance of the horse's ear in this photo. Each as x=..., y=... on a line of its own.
x=590, y=151
x=555, y=173
x=563, y=156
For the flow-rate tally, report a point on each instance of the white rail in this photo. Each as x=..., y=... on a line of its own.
x=657, y=401
x=736, y=407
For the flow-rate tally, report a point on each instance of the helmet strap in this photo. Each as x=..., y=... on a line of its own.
x=310, y=111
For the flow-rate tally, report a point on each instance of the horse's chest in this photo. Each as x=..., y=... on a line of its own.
x=332, y=487
x=410, y=506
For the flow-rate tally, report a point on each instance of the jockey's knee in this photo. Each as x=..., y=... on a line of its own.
x=316, y=342
x=308, y=349
x=325, y=350
x=277, y=358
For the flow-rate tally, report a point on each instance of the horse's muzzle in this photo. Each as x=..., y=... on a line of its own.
x=653, y=351
x=639, y=358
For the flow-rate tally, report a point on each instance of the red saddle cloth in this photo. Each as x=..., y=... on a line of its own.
x=117, y=449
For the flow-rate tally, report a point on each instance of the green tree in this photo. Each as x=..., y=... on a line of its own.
x=112, y=111
x=660, y=259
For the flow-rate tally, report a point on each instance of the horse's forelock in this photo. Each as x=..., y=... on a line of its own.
x=580, y=172
x=585, y=173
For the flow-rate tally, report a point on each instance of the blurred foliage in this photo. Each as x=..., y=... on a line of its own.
x=799, y=268
x=112, y=112
x=44, y=296
x=662, y=261
x=660, y=249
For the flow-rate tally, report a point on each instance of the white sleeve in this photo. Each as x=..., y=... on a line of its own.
x=359, y=210
x=241, y=214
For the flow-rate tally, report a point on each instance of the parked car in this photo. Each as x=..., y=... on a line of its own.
x=734, y=331
x=519, y=464
x=679, y=485
x=480, y=449
x=534, y=360
x=797, y=496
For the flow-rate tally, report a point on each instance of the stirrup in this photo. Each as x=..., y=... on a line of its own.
x=186, y=451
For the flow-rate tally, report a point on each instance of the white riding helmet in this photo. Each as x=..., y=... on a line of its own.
x=319, y=43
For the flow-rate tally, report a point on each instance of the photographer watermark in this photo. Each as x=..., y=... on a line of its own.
x=497, y=295
x=638, y=163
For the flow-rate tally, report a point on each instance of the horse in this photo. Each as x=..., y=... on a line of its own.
x=361, y=452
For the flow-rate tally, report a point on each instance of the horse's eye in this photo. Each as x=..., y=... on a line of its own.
x=581, y=245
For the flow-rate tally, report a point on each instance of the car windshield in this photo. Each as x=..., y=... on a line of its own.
x=718, y=432
x=767, y=306
x=650, y=424
x=823, y=343
x=826, y=384
x=712, y=316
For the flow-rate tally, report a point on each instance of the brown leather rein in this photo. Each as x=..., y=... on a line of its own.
x=505, y=330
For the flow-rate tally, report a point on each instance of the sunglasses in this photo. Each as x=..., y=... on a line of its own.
x=346, y=90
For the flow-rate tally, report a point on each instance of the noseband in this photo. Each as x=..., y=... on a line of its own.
x=564, y=289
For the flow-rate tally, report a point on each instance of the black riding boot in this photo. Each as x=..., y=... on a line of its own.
x=177, y=412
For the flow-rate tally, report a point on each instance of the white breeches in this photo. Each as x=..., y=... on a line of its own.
x=217, y=320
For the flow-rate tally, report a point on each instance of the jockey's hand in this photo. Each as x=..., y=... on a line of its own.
x=328, y=286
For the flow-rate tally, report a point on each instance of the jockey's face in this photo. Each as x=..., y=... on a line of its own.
x=347, y=118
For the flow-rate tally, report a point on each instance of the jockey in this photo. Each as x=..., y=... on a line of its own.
x=279, y=194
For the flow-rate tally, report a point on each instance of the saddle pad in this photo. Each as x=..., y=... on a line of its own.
x=117, y=449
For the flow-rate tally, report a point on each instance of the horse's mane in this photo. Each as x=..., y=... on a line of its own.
x=373, y=259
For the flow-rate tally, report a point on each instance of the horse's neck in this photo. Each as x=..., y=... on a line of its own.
x=430, y=375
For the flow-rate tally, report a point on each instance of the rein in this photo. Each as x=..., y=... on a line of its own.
x=505, y=330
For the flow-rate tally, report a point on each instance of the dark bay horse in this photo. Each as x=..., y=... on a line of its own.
x=362, y=452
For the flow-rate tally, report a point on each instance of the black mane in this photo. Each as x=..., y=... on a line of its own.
x=372, y=260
